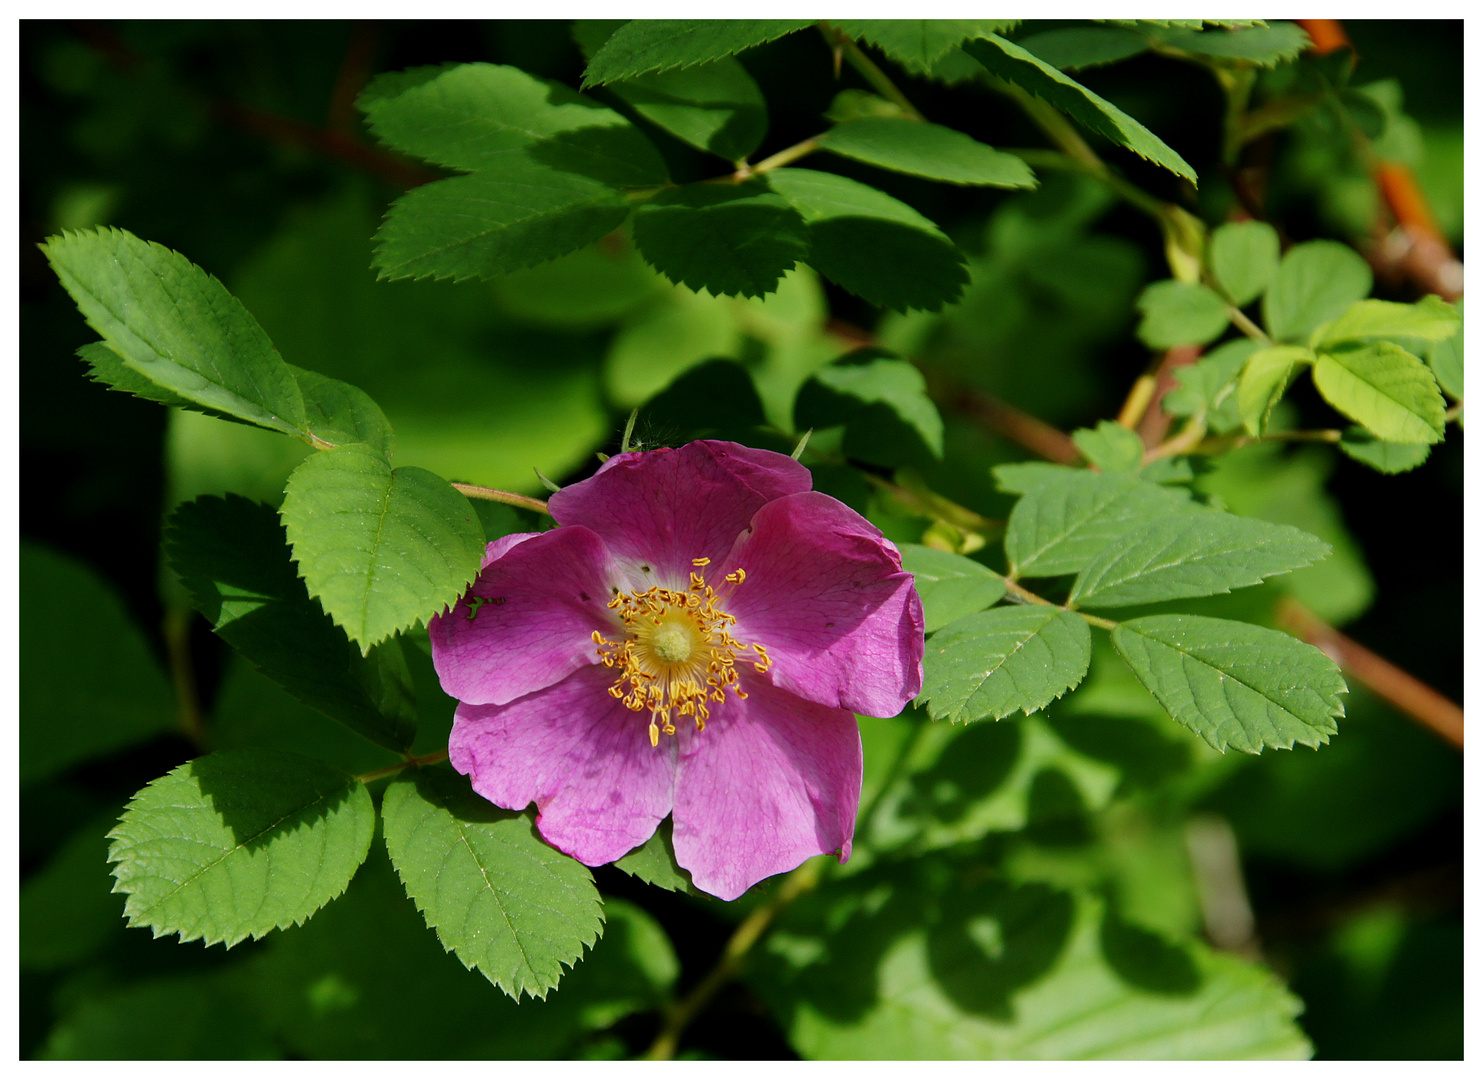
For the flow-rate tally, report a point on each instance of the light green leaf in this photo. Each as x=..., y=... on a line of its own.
x=869, y=243
x=729, y=239
x=232, y=556
x=1445, y=358
x=1265, y=46
x=588, y=289
x=1004, y=660
x=1234, y=684
x=1110, y=446
x=654, y=861
x=340, y=413
x=491, y=116
x=89, y=684
x=380, y=548
x=1010, y=62
x=1431, y=319
x=1315, y=282
x=1084, y=46
x=1194, y=555
x=500, y=898
x=1180, y=313
x=1264, y=380
x=918, y=44
x=1201, y=384
x=860, y=104
x=663, y=340
x=1069, y=515
x=1244, y=258
x=491, y=223
x=876, y=400
x=176, y=325
x=645, y=45
x=234, y=844
x=716, y=107
x=951, y=586
x=930, y=150
x=1386, y=389
x=1382, y=456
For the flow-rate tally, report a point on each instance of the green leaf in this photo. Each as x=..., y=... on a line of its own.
x=918, y=44
x=1180, y=313
x=1264, y=380
x=1431, y=319
x=232, y=556
x=1010, y=62
x=490, y=116
x=1445, y=358
x=1234, y=684
x=1193, y=555
x=591, y=288
x=716, y=107
x=176, y=325
x=1202, y=383
x=492, y=223
x=1386, y=389
x=654, y=861
x=951, y=586
x=730, y=239
x=1084, y=46
x=1110, y=447
x=1265, y=46
x=1382, y=456
x=1069, y=515
x=645, y=45
x=340, y=413
x=1004, y=660
x=930, y=150
x=872, y=245
x=884, y=402
x=500, y=898
x=67, y=911
x=89, y=684
x=1315, y=282
x=234, y=844
x=380, y=548
x=1244, y=259
x=662, y=341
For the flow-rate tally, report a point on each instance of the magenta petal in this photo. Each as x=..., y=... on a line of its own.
x=826, y=596
x=579, y=755
x=771, y=781
x=664, y=508
x=545, y=596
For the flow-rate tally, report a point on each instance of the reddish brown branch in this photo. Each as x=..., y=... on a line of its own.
x=1406, y=692
x=1153, y=427
x=1004, y=419
x=1327, y=34
x=351, y=79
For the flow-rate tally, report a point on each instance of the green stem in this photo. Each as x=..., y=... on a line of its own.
x=778, y=160
x=870, y=70
x=509, y=498
x=1453, y=413
x=1246, y=326
x=1025, y=596
x=435, y=758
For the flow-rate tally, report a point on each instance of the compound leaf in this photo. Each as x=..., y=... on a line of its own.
x=731, y=239
x=1070, y=515
x=646, y=45
x=232, y=556
x=1010, y=62
x=951, y=586
x=500, y=899
x=1314, y=283
x=1193, y=555
x=1265, y=379
x=1180, y=313
x=930, y=150
x=1431, y=319
x=1244, y=257
x=1004, y=660
x=379, y=547
x=177, y=326
x=1382, y=456
x=492, y=223
x=716, y=107
x=234, y=844
x=1234, y=684
x=871, y=244
x=1201, y=383
x=1386, y=389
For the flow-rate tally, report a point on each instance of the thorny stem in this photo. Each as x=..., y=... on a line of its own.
x=509, y=498
x=746, y=935
x=435, y=758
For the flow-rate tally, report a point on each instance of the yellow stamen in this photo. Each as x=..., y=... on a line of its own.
x=676, y=654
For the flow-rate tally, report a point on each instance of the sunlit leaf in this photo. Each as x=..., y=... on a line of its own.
x=1004, y=660
x=951, y=586
x=930, y=150
x=645, y=45
x=1385, y=388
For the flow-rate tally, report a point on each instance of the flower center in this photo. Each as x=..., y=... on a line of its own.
x=676, y=654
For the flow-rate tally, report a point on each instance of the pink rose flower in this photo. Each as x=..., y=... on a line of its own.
x=693, y=639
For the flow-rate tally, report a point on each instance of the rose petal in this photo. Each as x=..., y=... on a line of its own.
x=826, y=596
x=579, y=755
x=546, y=595
x=663, y=508
x=771, y=781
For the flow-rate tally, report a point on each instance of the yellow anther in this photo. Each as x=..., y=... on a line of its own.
x=700, y=562
x=737, y=576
